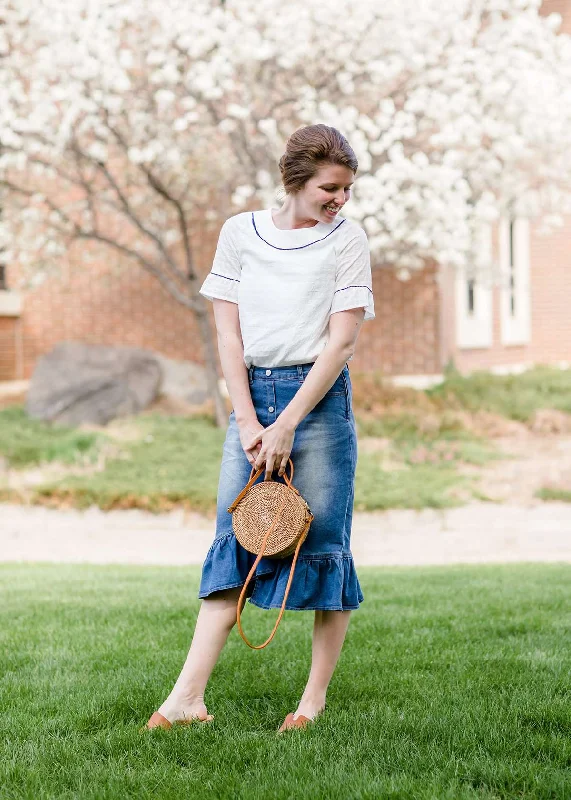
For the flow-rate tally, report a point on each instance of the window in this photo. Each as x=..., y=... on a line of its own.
x=471, y=299
x=474, y=301
x=515, y=294
x=511, y=267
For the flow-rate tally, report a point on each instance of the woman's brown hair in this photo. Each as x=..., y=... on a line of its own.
x=308, y=149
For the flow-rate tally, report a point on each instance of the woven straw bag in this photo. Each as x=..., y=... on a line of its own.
x=269, y=519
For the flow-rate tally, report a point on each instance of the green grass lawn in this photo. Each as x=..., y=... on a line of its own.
x=453, y=683
x=169, y=461
x=26, y=442
x=174, y=460
x=511, y=396
x=554, y=495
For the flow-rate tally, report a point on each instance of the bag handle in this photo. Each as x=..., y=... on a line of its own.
x=254, y=475
x=242, y=598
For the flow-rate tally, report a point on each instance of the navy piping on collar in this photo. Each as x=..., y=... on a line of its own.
x=295, y=248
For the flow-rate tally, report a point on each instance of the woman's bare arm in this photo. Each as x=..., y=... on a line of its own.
x=231, y=351
x=277, y=439
x=344, y=327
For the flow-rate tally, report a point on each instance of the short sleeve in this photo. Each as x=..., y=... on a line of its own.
x=223, y=280
x=353, y=279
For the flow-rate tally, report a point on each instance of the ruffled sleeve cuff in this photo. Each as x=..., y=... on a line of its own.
x=354, y=297
x=220, y=287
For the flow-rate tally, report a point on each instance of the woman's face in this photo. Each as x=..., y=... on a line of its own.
x=326, y=193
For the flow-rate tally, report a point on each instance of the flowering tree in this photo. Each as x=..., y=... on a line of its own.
x=128, y=122
x=102, y=142
x=458, y=112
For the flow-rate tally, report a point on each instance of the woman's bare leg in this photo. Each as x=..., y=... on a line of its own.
x=216, y=618
x=329, y=631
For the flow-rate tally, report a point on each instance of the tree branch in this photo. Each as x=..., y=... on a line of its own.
x=159, y=274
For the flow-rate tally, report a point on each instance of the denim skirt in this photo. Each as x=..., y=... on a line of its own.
x=324, y=456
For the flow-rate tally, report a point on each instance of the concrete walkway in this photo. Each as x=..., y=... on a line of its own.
x=476, y=533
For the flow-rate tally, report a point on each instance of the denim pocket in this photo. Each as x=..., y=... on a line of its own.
x=338, y=388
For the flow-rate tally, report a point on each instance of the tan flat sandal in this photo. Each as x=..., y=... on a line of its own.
x=301, y=722
x=157, y=720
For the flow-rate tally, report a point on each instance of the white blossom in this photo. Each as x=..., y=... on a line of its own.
x=457, y=112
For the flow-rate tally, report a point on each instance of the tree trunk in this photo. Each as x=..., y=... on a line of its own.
x=210, y=364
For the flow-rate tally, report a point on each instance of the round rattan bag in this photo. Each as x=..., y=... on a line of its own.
x=270, y=519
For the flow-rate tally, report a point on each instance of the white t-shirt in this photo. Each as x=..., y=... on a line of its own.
x=288, y=282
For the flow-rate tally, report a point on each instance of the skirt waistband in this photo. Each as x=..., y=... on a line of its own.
x=296, y=371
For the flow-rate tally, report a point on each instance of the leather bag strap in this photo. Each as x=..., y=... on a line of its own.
x=242, y=598
x=254, y=475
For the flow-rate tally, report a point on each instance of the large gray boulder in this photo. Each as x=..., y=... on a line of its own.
x=77, y=383
x=183, y=380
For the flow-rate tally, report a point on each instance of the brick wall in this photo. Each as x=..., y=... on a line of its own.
x=109, y=301
x=114, y=302
x=550, y=276
x=403, y=337
x=9, y=361
x=562, y=7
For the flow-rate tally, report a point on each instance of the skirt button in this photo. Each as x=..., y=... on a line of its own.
x=268, y=372
x=271, y=408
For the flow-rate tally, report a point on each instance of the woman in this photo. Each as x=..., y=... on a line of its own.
x=291, y=288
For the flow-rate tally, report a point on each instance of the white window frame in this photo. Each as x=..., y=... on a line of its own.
x=10, y=303
x=474, y=326
x=515, y=281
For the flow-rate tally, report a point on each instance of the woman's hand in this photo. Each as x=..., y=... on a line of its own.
x=276, y=446
x=247, y=431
